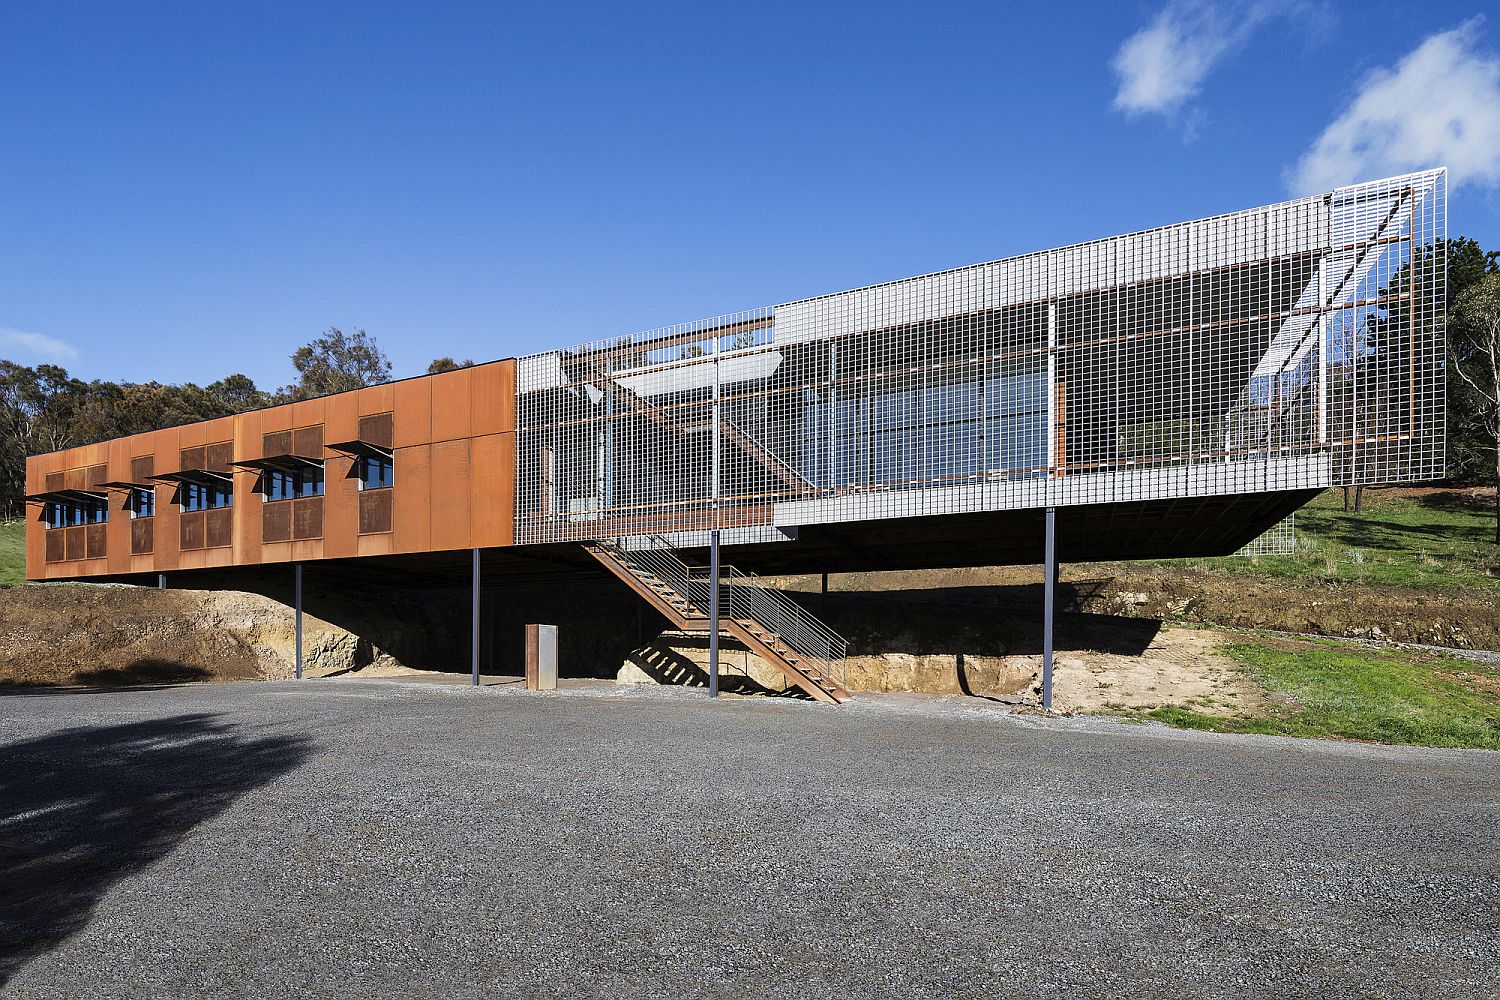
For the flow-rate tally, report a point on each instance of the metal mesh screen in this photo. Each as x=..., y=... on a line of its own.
x=1295, y=346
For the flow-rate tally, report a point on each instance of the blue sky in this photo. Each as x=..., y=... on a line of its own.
x=189, y=190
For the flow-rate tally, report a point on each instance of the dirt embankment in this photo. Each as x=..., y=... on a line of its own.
x=132, y=635
x=1462, y=618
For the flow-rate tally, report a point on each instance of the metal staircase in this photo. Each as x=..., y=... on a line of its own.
x=771, y=625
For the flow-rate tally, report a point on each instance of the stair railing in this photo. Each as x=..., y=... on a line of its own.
x=746, y=595
x=659, y=561
x=742, y=596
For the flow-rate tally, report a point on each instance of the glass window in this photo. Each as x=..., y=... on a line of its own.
x=71, y=514
x=198, y=496
x=280, y=485
x=376, y=472
x=142, y=503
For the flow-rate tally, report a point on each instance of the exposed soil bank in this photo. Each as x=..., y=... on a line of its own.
x=1465, y=619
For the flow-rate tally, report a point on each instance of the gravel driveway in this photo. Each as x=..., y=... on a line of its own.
x=380, y=839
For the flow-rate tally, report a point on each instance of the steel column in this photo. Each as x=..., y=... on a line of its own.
x=474, y=652
x=297, y=576
x=713, y=614
x=161, y=581
x=1050, y=589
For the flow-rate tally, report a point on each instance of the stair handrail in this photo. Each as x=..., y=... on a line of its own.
x=742, y=595
x=747, y=595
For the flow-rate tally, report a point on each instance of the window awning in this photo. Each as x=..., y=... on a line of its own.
x=197, y=477
x=360, y=449
x=66, y=496
x=125, y=487
x=279, y=463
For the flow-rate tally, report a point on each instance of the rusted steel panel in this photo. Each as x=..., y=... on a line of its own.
x=54, y=481
x=378, y=544
x=142, y=468
x=340, y=507
x=190, y=530
x=307, y=518
x=412, y=518
x=493, y=397
x=342, y=421
x=452, y=495
x=218, y=455
x=276, y=521
x=376, y=399
x=377, y=429
x=74, y=543
x=276, y=443
x=494, y=489
x=219, y=528
x=412, y=412
x=192, y=458
x=96, y=542
x=97, y=474
x=375, y=511
x=141, y=535
x=56, y=551
x=75, y=479
x=450, y=404
x=307, y=441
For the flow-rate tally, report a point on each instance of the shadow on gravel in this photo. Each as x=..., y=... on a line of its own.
x=145, y=670
x=82, y=809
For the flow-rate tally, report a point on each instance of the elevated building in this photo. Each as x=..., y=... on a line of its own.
x=1173, y=392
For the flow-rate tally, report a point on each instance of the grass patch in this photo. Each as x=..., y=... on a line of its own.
x=12, y=553
x=1442, y=540
x=1342, y=692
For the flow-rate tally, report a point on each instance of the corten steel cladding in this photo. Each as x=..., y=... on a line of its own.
x=443, y=435
x=1290, y=347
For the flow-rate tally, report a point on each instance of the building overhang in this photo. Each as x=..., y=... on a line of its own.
x=279, y=463
x=67, y=496
x=195, y=477
x=360, y=449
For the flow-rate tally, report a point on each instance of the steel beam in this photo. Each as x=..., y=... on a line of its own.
x=297, y=575
x=1049, y=602
x=474, y=652
x=713, y=614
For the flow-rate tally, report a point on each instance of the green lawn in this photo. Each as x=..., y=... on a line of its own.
x=1322, y=689
x=12, y=553
x=1439, y=541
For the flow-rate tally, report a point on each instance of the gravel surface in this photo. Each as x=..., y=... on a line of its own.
x=384, y=839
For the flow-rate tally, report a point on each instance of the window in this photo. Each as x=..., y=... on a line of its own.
x=376, y=472
x=197, y=496
x=142, y=502
x=72, y=513
x=277, y=484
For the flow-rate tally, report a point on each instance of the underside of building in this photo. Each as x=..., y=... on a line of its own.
x=1174, y=392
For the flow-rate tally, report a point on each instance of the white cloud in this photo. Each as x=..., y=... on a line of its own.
x=1440, y=105
x=38, y=346
x=1164, y=64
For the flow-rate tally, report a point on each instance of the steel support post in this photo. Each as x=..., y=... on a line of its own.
x=297, y=577
x=474, y=652
x=713, y=614
x=1049, y=600
x=161, y=581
